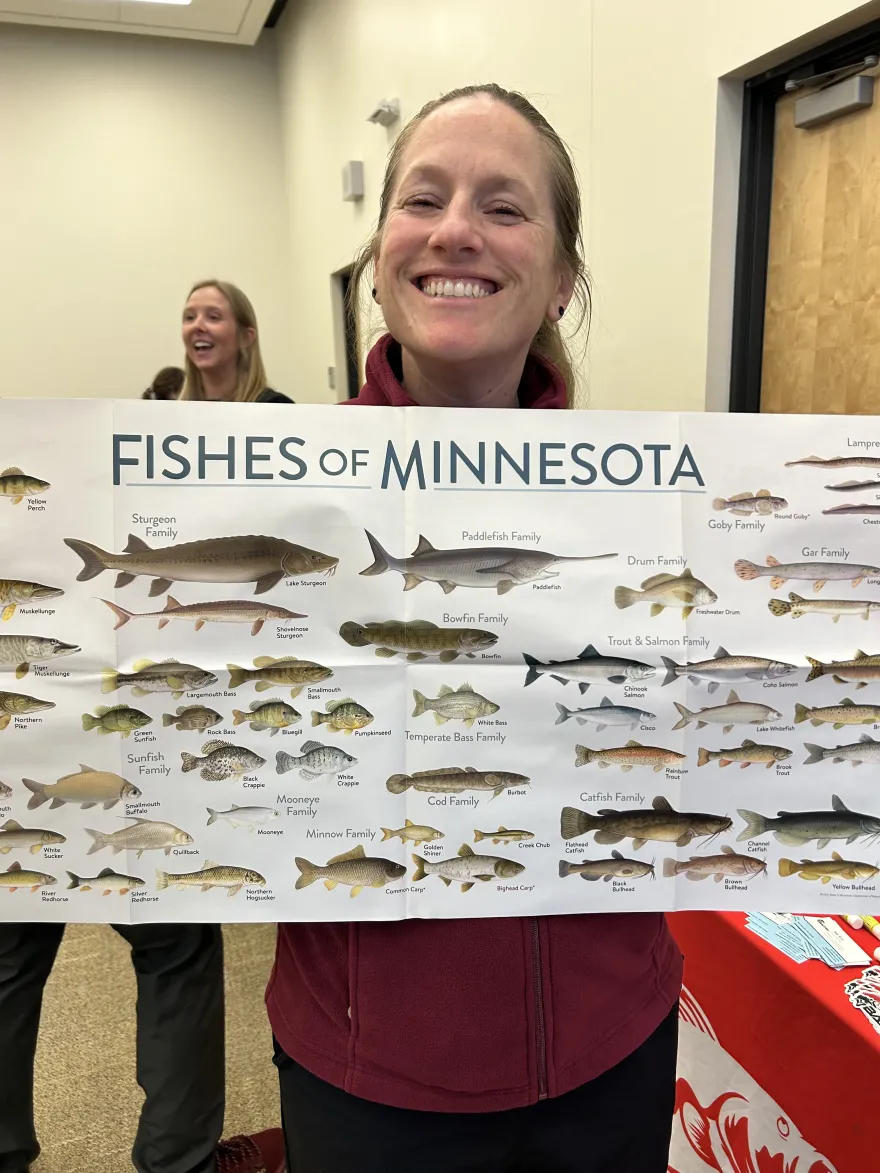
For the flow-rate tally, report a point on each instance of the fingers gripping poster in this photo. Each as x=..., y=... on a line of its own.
x=273, y=663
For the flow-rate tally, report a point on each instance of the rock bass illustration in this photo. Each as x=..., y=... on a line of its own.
x=816, y=572
x=498, y=567
x=243, y=816
x=222, y=759
x=16, y=877
x=454, y=780
x=745, y=754
x=15, y=485
x=454, y=704
x=147, y=676
x=797, y=607
x=314, y=760
x=825, y=870
x=23, y=650
x=343, y=716
x=724, y=669
x=412, y=833
x=795, y=828
x=728, y=863
x=866, y=749
x=846, y=713
x=282, y=671
x=590, y=667
x=628, y=756
x=18, y=704
x=667, y=590
x=14, y=591
x=224, y=611
x=87, y=788
x=271, y=715
x=15, y=837
x=743, y=504
x=862, y=668
x=616, y=868
x=660, y=823
x=211, y=875
x=115, y=719
x=735, y=712
x=604, y=714
x=191, y=717
x=466, y=868
x=105, y=882
x=140, y=836
x=354, y=868
x=418, y=639
x=261, y=560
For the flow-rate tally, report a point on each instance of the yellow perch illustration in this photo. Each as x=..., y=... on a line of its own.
x=846, y=713
x=862, y=668
x=222, y=611
x=797, y=607
x=15, y=485
x=667, y=590
x=745, y=754
x=825, y=870
x=628, y=756
x=14, y=591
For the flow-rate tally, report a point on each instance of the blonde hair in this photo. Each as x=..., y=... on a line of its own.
x=251, y=379
x=548, y=342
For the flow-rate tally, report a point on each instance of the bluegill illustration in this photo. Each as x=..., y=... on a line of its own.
x=604, y=714
x=454, y=704
x=14, y=591
x=15, y=485
x=354, y=868
x=220, y=611
x=724, y=669
x=24, y=650
x=147, y=676
x=498, y=567
x=418, y=639
x=797, y=607
x=667, y=590
x=269, y=714
x=660, y=823
x=743, y=504
x=222, y=759
x=466, y=868
x=616, y=868
x=816, y=572
x=19, y=704
x=796, y=828
x=590, y=667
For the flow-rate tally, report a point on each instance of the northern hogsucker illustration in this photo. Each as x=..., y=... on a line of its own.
x=746, y=754
x=862, y=668
x=222, y=759
x=628, y=756
x=106, y=882
x=418, y=639
x=798, y=606
x=211, y=875
x=616, y=868
x=498, y=567
x=866, y=749
x=735, y=712
x=24, y=650
x=846, y=713
x=86, y=788
x=660, y=823
x=249, y=558
x=222, y=611
x=724, y=669
x=466, y=868
x=15, y=485
x=590, y=667
x=816, y=572
x=454, y=780
x=147, y=676
x=667, y=590
x=19, y=704
x=140, y=836
x=743, y=504
x=15, y=591
x=354, y=868
x=795, y=828
x=727, y=863
x=454, y=704
x=825, y=870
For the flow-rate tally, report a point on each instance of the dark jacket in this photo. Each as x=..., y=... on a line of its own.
x=469, y=1015
x=270, y=396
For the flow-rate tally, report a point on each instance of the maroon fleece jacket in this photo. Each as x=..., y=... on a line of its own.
x=469, y=1015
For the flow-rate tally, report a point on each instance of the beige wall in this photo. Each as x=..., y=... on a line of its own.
x=633, y=87
x=130, y=168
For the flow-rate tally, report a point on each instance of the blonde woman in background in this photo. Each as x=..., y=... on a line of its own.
x=220, y=337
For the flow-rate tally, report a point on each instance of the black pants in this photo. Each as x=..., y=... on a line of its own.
x=180, y=1041
x=618, y=1123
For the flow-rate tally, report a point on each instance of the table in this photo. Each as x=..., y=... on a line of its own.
x=778, y=1071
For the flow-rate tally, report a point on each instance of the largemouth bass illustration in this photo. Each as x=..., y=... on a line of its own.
x=453, y=780
x=15, y=485
x=816, y=572
x=724, y=669
x=147, y=676
x=261, y=560
x=498, y=567
x=846, y=713
x=616, y=868
x=745, y=503
x=735, y=712
x=837, y=462
x=825, y=870
x=660, y=823
x=590, y=667
x=24, y=650
x=797, y=607
x=223, y=611
x=728, y=863
x=466, y=868
x=14, y=591
x=795, y=828
x=667, y=590
x=745, y=754
x=866, y=749
x=19, y=704
x=354, y=868
x=211, y=875
x=85, y=789
x=628, y=756
x=862, y=668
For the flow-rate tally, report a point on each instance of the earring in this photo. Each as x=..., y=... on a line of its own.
x=561, y=310
x=375, y=298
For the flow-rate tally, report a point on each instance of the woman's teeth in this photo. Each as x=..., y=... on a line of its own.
x=446, y=288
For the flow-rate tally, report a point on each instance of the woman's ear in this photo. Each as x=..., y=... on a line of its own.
x=248, y=337
x=561, y=297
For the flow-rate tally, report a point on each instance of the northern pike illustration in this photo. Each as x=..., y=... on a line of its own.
x=724, y=669
x=261, y=560
x=222, y=611
x=795, y=828
x=667, y=590
x=745, y=503
x=797, y=607
x=19, y=704
x=735, y=712
x=498, y=567
x=816, y=572
x=825, y=870
x=837, y=462
x=861, y=667
x=616, y=868
x=24, y=650
x=866, y=749
x=15, y=485
x=590, y=667
x=418, y=639
x=660, y=823
x=14, y=591
x=727, y=863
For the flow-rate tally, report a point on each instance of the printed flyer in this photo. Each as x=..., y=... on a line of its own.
x=302, y=663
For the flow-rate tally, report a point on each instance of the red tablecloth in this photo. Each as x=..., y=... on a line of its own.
x=778, y=1071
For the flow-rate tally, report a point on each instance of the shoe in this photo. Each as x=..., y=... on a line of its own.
x=261, y=1153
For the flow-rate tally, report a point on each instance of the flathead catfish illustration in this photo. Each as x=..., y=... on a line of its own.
x=261, y=560
x=660, y=823
x=501, y=567
x=816, y=572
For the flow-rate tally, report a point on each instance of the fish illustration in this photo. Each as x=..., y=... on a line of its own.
x=24, y=650
x=604, y=714
x=418, y=639
x=816, y=572
x=589, y=668
x=16, y=876
x=243, y=816
x=85, y=789
x=18, y=704
x=466, y=868
x=261, y=560
x=147, y=676
x=314, y=760
x=724, y=669
x=222, y=759
x=115, y=719
x=503, y=835
x=14, y=591
x=728, y=863
x=281, y=670
x=660, y=823
x=15, y=837
x=795, y=828
x=211, y=875
x=223, y=611
x=616, y=868
x=843, y=510
x=735, y=712
x=454, y=704
x=16, y=485
x=272, y=715
x=866, y=749
x=628, y=756
x=667, y=590
x=846, y=713
x=825, y=870
x=342, y=716
x=354, y=868
x=798, y=607
x=412, y=833
x=837, y=462
x=5, y=791
x=501, y=567
x=853, y=486
x=454, y=780
x=105, y=882
x=862, y=668
x=745, y=503
x=191, y=717
x=745, y=754
x=140, y=836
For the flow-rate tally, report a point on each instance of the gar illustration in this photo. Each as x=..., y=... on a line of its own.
x=797, y=607
x=816, y=572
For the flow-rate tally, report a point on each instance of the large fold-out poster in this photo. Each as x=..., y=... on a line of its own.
x=274, y=663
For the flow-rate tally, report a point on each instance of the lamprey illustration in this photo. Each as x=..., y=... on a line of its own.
x=590, y=667
x=816, y=572
x=140, y=836
x=728, y=863
x=15, y=837
x=746, y=754
x=854, y=486
x=846, y=713
x=660, y=823
x=343, y=716
x=854, y=509
x=222, y=759
x=866, y=749
x=17, y=591
x=106, y=882
x=261, y=560
x=15, y=485
x=191, y=717
x=283, y=671
x=628, y=756
x=498, y=567
x=735, y=712
x=211, y=875
x=667, y=590
x=120, y=719
x=16, y=877
x=272, y=715
x=616, y=868
x=354, y=868
x=314, y=760
x=147, y=676
x=454, y=780
x=725, y=669
x=797, y=607
x=86, y=788
x=862, y=668
x=466, y=868
x=19, y=704
x=454, y=704
x=418, y=639
x=412, y=832
x=20, y=651
x=826, y=870
x=743, y=504
x=837, y=462
x=224, y=611
x=795, y=828
x=604, y=714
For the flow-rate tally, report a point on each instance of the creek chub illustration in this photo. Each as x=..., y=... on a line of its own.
x=797, y=607
x=418, y=639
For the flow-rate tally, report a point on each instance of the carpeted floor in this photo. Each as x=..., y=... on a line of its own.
x=87, y=1100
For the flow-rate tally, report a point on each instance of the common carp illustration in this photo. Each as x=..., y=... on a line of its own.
x=745, y=754
x=724, y=669
x=15, y=485
x=837, y=462
x=222, y=611
x=616, y=868
x=825, y=870
x=816, y=572
x=19, y=704
x=15, y=591
x=24, y=650
x=743, y=504
x=354, y=868
x=251, y=558
x=498, y=567
x=466, y=868
x=590, y=667
x=418, y=639
x=454, y=780
x=728, y=863
x=862, y=668
x=667, y=590
x=798, y=606
x=660, y=823
x=796, y=828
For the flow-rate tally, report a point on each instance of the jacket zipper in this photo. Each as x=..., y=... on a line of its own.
x=540, y=1025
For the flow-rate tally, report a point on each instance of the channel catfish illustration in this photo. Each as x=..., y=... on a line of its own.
x=251, y=558
x=501, y=567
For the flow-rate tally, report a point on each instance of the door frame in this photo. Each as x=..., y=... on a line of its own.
x=760, y=95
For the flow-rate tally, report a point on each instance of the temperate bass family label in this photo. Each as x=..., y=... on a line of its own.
x=273, y=663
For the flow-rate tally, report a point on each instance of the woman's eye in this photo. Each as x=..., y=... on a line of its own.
x=504, y=210
x=420, y=202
